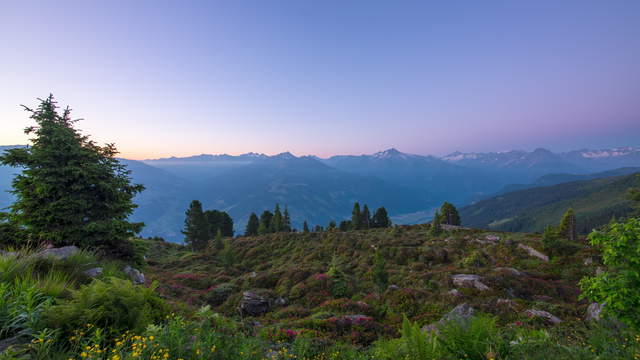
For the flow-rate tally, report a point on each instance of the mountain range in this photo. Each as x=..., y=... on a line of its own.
x=320, y=190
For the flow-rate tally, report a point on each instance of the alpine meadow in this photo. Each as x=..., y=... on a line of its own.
x=364, y=180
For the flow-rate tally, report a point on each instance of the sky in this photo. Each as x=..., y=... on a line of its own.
x=161, y=78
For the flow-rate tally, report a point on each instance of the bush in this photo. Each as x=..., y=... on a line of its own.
x=114, y=305
x=413, y=344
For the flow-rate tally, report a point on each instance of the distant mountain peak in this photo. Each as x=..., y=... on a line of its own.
x=389, y=153
x=285, y=156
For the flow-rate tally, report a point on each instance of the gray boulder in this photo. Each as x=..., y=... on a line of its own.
x=60, y=253
x=469, y=281
x=93, y=272
x=253, y=304
x=533, y=252
x=280, y=301
x=532, y=313
x=594, y=311
x=134, y=274
x=460, y=313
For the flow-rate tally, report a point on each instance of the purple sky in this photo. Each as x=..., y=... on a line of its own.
x=163, y=78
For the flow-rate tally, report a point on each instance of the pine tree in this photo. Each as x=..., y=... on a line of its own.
x=449, y=214
x=355, y=217
x=277, y=223
x=436, y=227
x=265, y=222
x=196, y=228
x=227, y=255
x=339, y=286
x=286, y=227
x=345, y=225
x=71, y=191
x=332, y=226
x=305, y=227
x=379, y=272
x=252, y=225
x=365, y=219
x=568, y=227
x=218, y=241
x=381, y=219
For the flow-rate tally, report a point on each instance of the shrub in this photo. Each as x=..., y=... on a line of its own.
x=114, y=304
x=217, y=295
x=413, y=344
x=478, y=338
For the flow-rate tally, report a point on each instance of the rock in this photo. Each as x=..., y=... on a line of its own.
x=253, y=304
x=533, y=252
x=253, y=274
x=509, y=270
x=134, y=274
x=453, y=292
x=505, y=302
x=460, y=313
x=492, y=238
x=594, y=311
x=281, y=301
x=393, y=287
x=93, y=272
x=588, y=261
x=543, y=314
x=469, y=281
x=61, y=253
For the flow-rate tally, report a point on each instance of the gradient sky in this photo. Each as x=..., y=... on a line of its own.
x=163, y=78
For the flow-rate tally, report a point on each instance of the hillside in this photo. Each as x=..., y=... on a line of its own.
x=594, y=201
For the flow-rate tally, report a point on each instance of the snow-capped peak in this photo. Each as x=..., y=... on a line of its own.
x=389, y=153
x=598, y=154
x=285, y=155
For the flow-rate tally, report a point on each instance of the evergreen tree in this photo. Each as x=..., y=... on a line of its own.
x=305, y=227
x=345, y=225
x=449, y=214
x=550, y=240
x=71, y=191
x=436, y=227
x=568, y=228
x=227, y=255
x=381, y=219
x=286, y=220
x=218, y=241
x=356, y=217
x=318, y=228
x=365, y=218
x=265, y=222
x=277, y=223
x=252, y=225
x=332, y=226
x=196, y=228
x=339, y=285
x=379, y=273
x=219, y=220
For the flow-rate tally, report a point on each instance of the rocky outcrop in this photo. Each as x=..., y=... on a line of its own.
x=532, y=313
x=594, y=311
x=60, y=253
x=134, y=274
x=460, y=313
x=509, y=270
x=253, y=304
x=93, y=272
x=280, y=301
x=469, y=281
x=533, y=252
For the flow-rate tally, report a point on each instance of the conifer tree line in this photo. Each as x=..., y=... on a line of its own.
x=201, y=226
x=269, y=222
x=446, y=215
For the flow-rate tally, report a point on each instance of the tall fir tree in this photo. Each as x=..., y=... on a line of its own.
x=71, y=191
x=196, y=228
x=449, y=214
x=379, y=272
x=568, y=226
x=345, y=225
x=277, y=223
x=365, y=218
x=265, y=222
x=381, y=218
x=305, y=227
x=356, y=217
x=252, y=225
x=286, y=220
